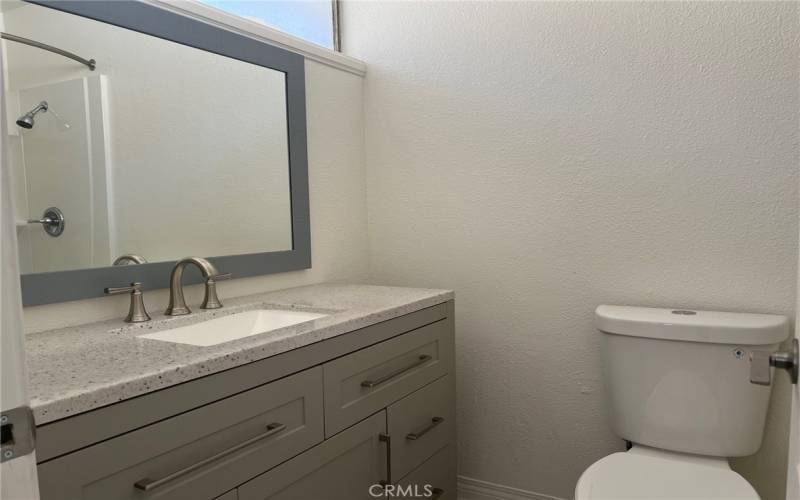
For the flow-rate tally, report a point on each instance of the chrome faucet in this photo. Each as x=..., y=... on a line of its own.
x=177, y=303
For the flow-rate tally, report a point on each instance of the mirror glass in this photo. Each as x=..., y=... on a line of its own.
x=162, y=151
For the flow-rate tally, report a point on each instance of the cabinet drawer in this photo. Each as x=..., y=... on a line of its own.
x=361, y=383
x=348, y=466
x=200, y=454
x=420, y=425
x=436, y=476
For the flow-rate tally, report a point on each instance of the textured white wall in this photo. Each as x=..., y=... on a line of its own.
x=542, y=158
x=338, y=209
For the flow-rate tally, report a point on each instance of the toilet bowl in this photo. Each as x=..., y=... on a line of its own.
x=648, y=473
x=678, y=388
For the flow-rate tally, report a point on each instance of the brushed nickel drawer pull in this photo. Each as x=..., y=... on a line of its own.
x=148, y=484
x=423, y=358
x=436, y=493
x=413, y=436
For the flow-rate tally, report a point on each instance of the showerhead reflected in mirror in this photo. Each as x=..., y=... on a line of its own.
x=27, y=120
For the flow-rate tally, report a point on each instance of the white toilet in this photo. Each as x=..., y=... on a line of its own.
x=678, y=385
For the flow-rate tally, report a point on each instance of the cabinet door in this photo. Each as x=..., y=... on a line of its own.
x=421, y=424
x=347, y=466
x=434, y=479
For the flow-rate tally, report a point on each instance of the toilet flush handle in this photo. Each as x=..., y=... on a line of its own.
x=762, y=361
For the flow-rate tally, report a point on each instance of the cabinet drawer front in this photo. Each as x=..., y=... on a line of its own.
x=435, y=479
x=420, y=425
x=361, y=383
x=344, y=467
x=200, y=454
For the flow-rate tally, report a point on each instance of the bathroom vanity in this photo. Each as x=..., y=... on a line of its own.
x=335, y=407
x=319, y=392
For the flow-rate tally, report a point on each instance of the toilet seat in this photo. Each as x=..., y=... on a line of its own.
x=647, y=473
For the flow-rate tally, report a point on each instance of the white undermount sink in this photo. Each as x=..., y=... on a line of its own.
x=233, y=326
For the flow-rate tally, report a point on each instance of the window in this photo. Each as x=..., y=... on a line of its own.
x=311, y=20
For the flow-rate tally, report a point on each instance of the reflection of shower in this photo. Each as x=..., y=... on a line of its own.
x=26, y=120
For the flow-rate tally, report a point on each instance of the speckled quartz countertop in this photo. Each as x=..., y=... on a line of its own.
x=76, y=369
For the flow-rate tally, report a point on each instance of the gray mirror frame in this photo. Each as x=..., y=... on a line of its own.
x=62, y=286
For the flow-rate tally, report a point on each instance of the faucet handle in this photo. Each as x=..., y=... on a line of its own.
x=115, y=290
x=136, y=313
x=211, y=300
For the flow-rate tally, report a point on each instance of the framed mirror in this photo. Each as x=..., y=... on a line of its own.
x=138, y=136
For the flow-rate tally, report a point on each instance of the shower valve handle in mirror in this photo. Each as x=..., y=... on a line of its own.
x=52, y=221
x=136, y=313
x=762, y=362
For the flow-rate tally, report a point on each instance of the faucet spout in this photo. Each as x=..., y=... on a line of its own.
x=177, y=303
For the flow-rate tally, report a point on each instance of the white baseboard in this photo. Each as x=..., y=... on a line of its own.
x=475, y=489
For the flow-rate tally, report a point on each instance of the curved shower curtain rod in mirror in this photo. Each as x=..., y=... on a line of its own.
x=91, y=63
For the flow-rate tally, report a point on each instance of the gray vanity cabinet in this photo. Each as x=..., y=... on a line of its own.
x=332, y=420
x=344, y=467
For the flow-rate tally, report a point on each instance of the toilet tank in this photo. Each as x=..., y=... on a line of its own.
x=680, y=380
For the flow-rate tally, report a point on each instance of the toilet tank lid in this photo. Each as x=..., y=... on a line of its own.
x=692, y=325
